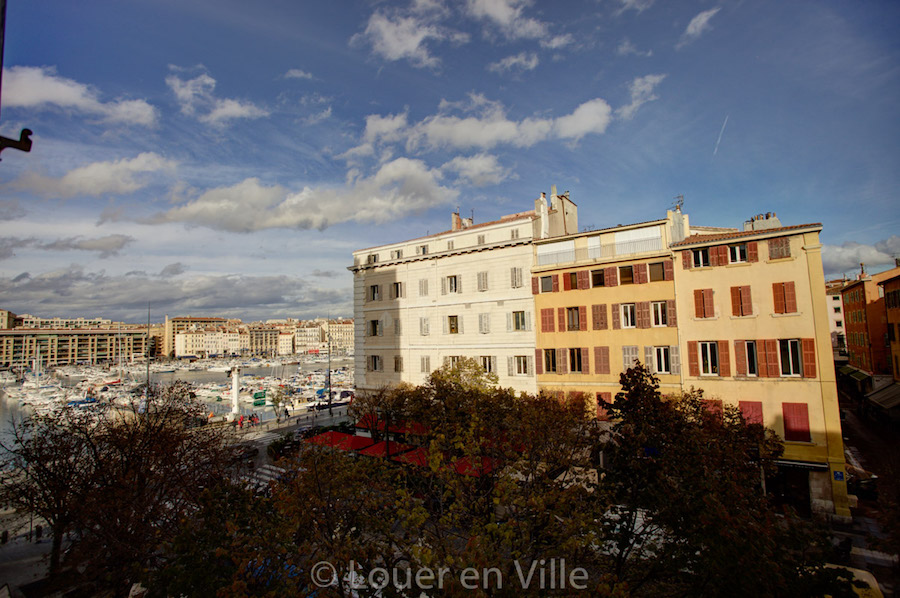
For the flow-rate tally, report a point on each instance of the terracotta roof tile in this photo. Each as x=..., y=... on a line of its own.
x=741, y=234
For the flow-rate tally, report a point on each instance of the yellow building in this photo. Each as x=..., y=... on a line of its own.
x=754, y=324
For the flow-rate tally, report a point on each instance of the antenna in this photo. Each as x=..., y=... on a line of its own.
x=679, y=203
x=473, y=215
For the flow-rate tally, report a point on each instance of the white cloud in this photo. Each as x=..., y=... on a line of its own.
x=397, y=37
x=318, y=117
x=508, y=17
x=195, y=97
x=697, y=26
x=107, y=246
x=525, y=61
x=641, y=92
x=297, y=74
x=96, y=179
x=840, y=259
x=635, y=5
x=41, y=87
x=626, y=48
x=481, y=169
x=396, y=189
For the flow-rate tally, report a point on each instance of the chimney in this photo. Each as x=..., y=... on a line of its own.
x=455, y=221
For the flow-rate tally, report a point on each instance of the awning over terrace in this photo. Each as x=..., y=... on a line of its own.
x=382, y=449
x=887, y=398
x=341, y=441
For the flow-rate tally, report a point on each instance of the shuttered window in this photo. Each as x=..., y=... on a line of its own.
x=599, y=317
x=796, y=422
x=752, y=411
x=785, y=297
x=740, y=301
x=601, y=360
x=703, y=303
x=779, y=248
x=547, y=324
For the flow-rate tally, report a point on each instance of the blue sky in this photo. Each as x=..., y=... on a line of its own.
x=226, y=157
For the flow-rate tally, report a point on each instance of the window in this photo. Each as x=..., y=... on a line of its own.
x=550, y=361
x=449, y=245
x=375, y=292
x=709, y=359
x=487, y=363
x=752, y=369
x=484, y=323
x=660, y=313
x=701, y=257
x=789, y=350
x=597, y=278
x=751, y=411
x=397, y=327
x=575, y=361
x=422, y=250
x=839, y=324
x=374, y=363
x=423, y=287
x=521, y=363
x=741, y=304
x=373, y=258
x=737, y=253
x=453, y=360
x=571, y=280
x=779, y=248
x=481, y=239
x=657, y=271
x=451, y=284
x=629, y=356
x=796, y=422
x=626, y=274
x=703, y=304
x=572, y=318
x=396, y=254
x=546, y=284
x=514, y=233
x=519, y=320
x=453, y=324
x=785, y=297
x=662, y=362
x=424, y=326
x=396, y=290
x=425, y=364
x=837, y=309
x=398, y=363
x=482, y=281
x=628, y=315
x=515, y=276
x=375, y=328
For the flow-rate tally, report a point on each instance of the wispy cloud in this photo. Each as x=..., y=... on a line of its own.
x=96, y=179
x=635, y=5
x=107, y=246
x=524, y=61
x=508, y=17
x=195, y=97
x=626, y=48
x=42, y=88
x=721, y=132
x=697, y=26
x=297, y=74
x=642, y=91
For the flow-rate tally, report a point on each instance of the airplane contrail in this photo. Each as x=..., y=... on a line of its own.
x=719, y=140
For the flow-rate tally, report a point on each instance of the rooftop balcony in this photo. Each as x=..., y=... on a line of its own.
x=602, y=252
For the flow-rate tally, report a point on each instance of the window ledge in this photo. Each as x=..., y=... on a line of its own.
x=790, y=315
x=696, y=319
x=750, y=317
x=737, y=264
x=779, y=259
x=800, y=442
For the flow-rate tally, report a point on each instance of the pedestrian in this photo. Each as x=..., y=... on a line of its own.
x=286, y=414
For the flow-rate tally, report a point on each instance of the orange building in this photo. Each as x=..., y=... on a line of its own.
x=865, y=321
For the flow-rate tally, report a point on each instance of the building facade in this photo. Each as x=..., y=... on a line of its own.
x=21, y=347
x=891, y=291
x=866, y=323
x=182, y=324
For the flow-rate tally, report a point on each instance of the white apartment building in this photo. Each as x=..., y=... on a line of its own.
x=190, y=343
x=308, y=338
x=340, y=336
x=286, y=343
x=465, y=292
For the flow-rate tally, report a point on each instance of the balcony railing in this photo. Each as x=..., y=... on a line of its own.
x=607, y=251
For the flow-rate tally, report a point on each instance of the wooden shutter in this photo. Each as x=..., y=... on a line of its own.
x=771, y=357
x=809, y=357
x=778, y=295
x=535, y=285
x=601, y=360
x=746, y=302
x=752, y=252
x=709, y=308
x=547, y=320
x=648, y=359
x=714, y=256
x=562, y=362
x=724, y=358
x=752, y=411
x=584, y=279
x=640, y=274
x=582, y=317
x=538, y=362
x=561, y=316
x=595, y=316
x=698, y=303
x=567, y=282
x=610, y=276
x=713, y=406
x=735, y=301
x=642, y=311
x=585, y=361
x=672, y=315
x=687, y=259
x=603, y=398
x=693, y=359
x=668, y=270
x=722, y=250
x=740, y=358
x=675, y=360
x=556, y=283
x=796, y=421
x=616, y=316
x=790, y=298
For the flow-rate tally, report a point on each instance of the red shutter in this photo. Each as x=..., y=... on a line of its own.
x=668, y=270
x=535, y=285
x=561, y=362
x=601, y=360
x=547, y=320
x=673, y=313
x=585, y=361
x=713, y=256
x=762, y=367
x=713, y=406
x=616, y=316
x=567, y=282
x=709, y=308
x=556, y=283
x=746, y=303
x=584, y=279
x=640, y=274
x=604, y=319
x=778, y=294
x=740, y=358
x=687, y=259
x=698, y=303
x=693, y=359
x=752, y=411
x=561, y=313
x=735, y=301
x=603, y=397
x=752, y=252
x=610, y=276
x=809, y=357
x=643, y=314
x=724, y=358
x=582, y=318
x=538, y=362
x=771, y=357
x=796, y=421
x=790, y=298
x=595, y=317
x=723, y=255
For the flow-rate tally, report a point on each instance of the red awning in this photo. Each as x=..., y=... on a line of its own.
x=475, y=466
x=354, y=443
x=381, y=449
x=417, y=457
x=330, y=438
